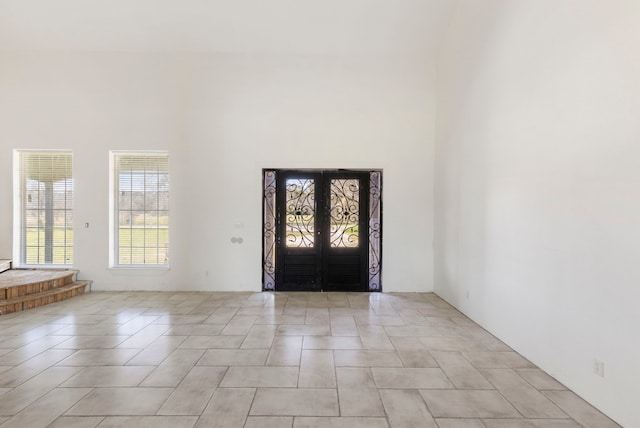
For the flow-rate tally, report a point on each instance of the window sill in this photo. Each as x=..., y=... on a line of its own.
x=49, y=267
x=140, y=267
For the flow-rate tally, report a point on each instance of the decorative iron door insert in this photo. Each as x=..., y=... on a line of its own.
x=322, y=230
x=298, y=231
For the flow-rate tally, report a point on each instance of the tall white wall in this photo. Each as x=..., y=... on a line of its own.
x=538, y=186
x=224, y=117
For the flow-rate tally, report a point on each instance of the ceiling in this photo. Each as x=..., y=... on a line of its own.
x=256, y=26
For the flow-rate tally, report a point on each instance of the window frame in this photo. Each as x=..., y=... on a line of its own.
x=20, y=249
x=114, y=209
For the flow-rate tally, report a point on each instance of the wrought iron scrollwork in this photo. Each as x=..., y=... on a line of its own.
x=269, y=231
x=375, y=230
x=344, y=213
x=300, y=212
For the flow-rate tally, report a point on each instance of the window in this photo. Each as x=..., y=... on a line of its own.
x=140, y=209
x=43, y=189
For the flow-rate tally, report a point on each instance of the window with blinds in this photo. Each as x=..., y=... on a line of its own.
x=140, y=209
x=44, y=216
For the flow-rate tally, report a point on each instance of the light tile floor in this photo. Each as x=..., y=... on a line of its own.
x=269, y=360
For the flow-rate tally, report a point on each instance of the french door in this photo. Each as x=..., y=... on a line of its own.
x=321, y=231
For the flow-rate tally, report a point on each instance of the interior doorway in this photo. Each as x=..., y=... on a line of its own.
x=322, y=230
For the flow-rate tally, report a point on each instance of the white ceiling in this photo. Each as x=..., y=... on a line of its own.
x=272, y=26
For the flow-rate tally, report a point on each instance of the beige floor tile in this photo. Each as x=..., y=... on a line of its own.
x=20, y=397
x=155, y=353
x=406, y=409
x=91, y=342
x=76, y=422
x=343, y=326
x=279, y=319
x=493, y=344
x=468, y=404
x=413, y=317
x=239, y=325
x=415, y=331
x=374, y=337
x=530, y=423
x=331, y=342
x=195, y=330
x=233, y=357
x=91, y=330
x=451, y=344
x=30, y=350
x=296, y=310
x=109, y=376
x=269, y=422
x=260, y=377
x=410, y=378
x=458, y=369
x=378, y=320
x=317, y=316
x=295, y=402
x=212, y=342
x=181, y=319
x=82, y=319
x=418, y=358
x=121, y=401
x=136, y=324
x=221, y=315
x=341, y=422
x=99, y=357
x=497, y=360
x=460, y=423
x=44, y=411
x=260, y=311
x=149, y=422
x=145, y=336
x=360, y=401
x=524, y=397
x=260, y=337
x=194, y=392
x=349, y=358
x=317, y=369
x=355, y=377
x=285, y=351
x=22, y=372
x=247, y=359
x=540, y=380
x=580, y=410
x=407, y=343
x=174, y=368
x=228, y=408
x=304, y=330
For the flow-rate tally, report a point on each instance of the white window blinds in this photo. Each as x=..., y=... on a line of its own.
x=45, y=186
x=141, y=208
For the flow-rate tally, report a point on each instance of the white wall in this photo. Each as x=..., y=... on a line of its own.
x=538, y=186
x=224, y=117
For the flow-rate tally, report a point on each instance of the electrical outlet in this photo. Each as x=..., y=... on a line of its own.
x=598, y=367
x=466, y=293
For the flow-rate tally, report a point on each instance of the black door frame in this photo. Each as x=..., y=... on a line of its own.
x=362, y=252
x=370, y=242
x=309, y=279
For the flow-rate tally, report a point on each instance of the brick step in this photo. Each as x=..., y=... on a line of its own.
x=57, y=294
x=23, y=282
